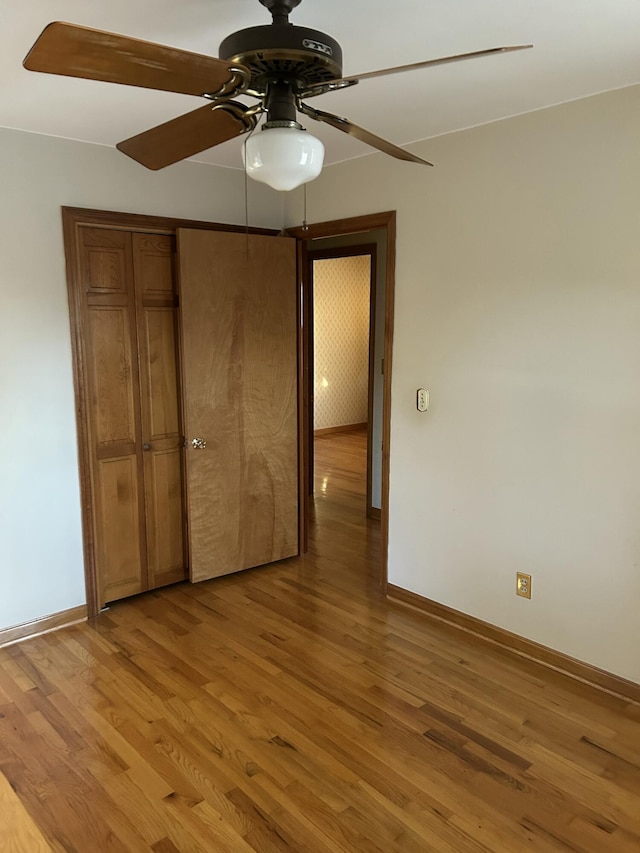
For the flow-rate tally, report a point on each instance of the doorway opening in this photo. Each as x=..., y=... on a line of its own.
x=372, y=237
x=346, y=357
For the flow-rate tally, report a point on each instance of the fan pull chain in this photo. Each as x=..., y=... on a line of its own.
x=246, y=200
x=305, y=227
x=246, y=190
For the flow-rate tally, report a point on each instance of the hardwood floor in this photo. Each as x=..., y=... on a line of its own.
x=291, y=708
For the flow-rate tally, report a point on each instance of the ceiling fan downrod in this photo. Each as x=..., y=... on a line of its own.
x=280, y=9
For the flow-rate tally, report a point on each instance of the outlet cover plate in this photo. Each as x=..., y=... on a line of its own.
x=523, y=585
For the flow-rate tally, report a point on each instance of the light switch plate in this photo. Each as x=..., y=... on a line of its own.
x=422, y=400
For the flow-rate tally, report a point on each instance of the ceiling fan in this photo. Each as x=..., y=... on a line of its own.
x=279, y=64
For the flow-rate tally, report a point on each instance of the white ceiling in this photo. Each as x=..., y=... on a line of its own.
x=581, y=47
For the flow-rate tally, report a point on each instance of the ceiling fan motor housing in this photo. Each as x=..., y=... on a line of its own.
x=283, y=52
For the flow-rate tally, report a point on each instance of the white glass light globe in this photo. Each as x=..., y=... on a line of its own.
x=283, y=157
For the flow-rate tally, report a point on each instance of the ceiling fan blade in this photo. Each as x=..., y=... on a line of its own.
x=320, y=88
x=363, y=135
x=75, y=51
x=187, y=135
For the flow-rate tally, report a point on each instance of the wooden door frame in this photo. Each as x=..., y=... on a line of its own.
x=73, y=218
x=313, y=255
x=385, y=221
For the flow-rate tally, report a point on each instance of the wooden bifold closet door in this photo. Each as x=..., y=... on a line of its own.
x=156, y=508
x=129, y=347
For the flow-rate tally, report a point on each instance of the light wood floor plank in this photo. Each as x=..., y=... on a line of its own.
x=18, y=832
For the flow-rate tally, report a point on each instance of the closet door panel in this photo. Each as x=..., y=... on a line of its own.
x=156, y=307
x=118, y=537
x=112, y=366
x=110, y=351
x=164, y=509
x=159, y=340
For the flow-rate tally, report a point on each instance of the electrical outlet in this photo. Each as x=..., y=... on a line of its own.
x=523, y=585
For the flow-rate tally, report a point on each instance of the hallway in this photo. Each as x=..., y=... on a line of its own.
x=340, y=529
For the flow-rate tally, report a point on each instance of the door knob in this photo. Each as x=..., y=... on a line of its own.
x=198, y=443
x=146, y=446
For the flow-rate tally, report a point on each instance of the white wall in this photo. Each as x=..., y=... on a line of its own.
x=41, y=570
x=518, y=307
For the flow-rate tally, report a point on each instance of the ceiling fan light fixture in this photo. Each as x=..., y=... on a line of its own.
x=281, y=64
x=283, y=157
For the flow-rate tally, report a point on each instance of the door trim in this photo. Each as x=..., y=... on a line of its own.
x=72, y=219
x=385, y=221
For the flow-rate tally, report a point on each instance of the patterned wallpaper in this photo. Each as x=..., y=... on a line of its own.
x=341, y=335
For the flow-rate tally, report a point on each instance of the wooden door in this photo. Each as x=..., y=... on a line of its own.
x=239, y=358
x=128, y=317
